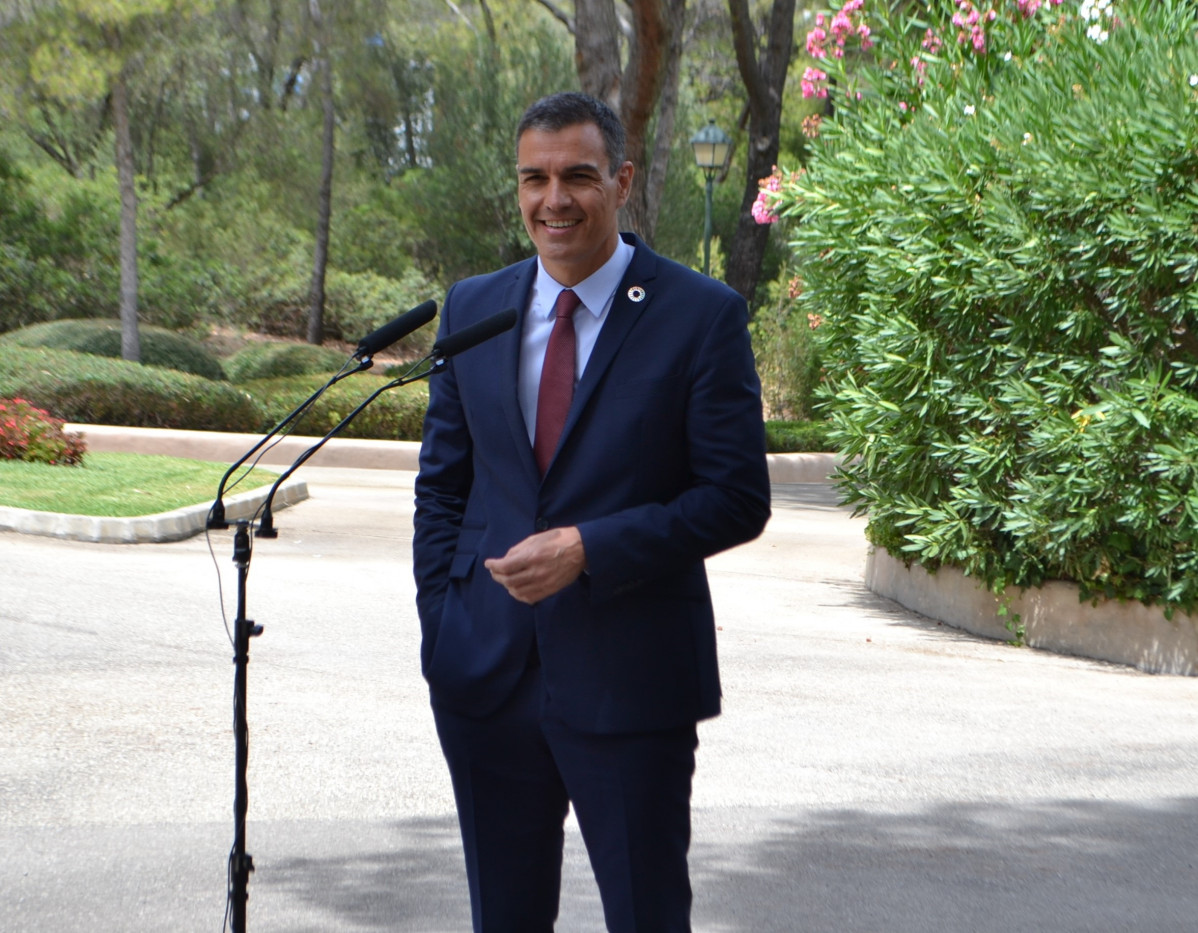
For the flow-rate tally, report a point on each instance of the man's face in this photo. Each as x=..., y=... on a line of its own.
x=569, y=199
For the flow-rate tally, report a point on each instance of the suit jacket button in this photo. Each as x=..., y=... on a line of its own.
x=542, y=524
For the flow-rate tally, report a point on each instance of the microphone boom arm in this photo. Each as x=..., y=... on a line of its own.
x=266, y=527
x=216, y=515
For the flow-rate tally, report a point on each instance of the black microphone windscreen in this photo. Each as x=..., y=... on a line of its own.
x=475, y=334
x=398, y=329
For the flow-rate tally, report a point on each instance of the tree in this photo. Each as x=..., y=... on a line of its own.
x=764, y=75
x=323, y=65
x=462, y=200
x=70, y=55
x=644, y=92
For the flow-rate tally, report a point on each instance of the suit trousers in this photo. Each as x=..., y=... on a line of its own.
x=516, y=772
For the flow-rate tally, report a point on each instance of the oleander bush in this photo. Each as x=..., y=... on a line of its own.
x=999, y=231
x=102, y=337
x=33, y=435
x=396, y=415
x=90, y=389
x=274, y=359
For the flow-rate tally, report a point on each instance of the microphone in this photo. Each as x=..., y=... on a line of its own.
x=467, y=337
x=396, y=330
x=455, y=343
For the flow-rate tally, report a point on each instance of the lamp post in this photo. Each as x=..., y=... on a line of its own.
x=711, y=145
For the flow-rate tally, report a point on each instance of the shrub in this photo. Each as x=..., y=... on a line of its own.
x=793, y=437
x=786, y=346
x=35, y=436
x=97, y=390
x=40, y=271
x=355, y=305
x=397, y=414
x=273, y=359
x=999, y=229
x=180, y=292
x=159, y=347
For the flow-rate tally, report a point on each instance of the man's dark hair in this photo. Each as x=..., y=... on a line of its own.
x=570, y=108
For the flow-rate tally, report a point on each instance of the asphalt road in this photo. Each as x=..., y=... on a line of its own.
x=873, y=770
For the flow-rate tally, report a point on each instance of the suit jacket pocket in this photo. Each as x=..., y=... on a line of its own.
x=461, y=565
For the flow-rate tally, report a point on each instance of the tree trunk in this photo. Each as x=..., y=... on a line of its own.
x=667, y=108
x=655, y=51
x=597, y=50
x=130, y=338
x=765, y=81
x=642, y=91
x=321, y=257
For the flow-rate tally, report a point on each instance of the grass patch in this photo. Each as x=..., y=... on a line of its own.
x=117, y=485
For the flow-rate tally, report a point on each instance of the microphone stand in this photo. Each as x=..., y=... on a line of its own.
x=241, y=864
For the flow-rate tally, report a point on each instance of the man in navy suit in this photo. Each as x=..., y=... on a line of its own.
x=568, y=635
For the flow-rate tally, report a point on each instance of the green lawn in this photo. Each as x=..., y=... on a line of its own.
x=117, y=485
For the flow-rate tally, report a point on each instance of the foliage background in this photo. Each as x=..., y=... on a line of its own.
x=226, y=131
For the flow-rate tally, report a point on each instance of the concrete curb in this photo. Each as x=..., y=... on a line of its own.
x=145, y=529
x=1125, y=633
x=355, y=453
x=228, y=448
x=352, y=452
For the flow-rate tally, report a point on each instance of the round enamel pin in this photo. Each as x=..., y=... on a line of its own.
x=636, y=293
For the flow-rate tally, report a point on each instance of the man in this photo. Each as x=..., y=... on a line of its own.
x=574, y=474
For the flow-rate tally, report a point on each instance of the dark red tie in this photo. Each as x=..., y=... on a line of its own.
x=557, y=380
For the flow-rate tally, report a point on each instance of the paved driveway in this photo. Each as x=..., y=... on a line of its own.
x=873, y=771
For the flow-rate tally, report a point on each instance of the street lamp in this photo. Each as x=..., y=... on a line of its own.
x=711, y=145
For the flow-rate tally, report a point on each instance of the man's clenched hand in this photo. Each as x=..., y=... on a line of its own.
x=540, y=565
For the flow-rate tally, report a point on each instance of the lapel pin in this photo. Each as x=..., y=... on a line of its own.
x=636, y=293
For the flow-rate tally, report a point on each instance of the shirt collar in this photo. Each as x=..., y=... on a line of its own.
x=595, y=291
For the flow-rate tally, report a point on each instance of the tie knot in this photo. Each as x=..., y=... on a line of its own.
x=567, y=303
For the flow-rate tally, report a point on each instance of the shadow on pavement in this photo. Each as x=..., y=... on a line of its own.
x=968, y=867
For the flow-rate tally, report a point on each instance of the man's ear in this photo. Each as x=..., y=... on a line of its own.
x=624, y=182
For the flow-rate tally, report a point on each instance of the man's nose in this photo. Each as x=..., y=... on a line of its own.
x=558, y=196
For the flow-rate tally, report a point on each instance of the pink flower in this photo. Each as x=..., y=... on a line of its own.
x=814, y=83
x=815, y=42
x=762, y=212
x=841, y=27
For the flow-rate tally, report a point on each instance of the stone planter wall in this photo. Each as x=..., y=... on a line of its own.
x=1125, y=633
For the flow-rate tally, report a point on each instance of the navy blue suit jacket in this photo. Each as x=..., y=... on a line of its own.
x=661, y=464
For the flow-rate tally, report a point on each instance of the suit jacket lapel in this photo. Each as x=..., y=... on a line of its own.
x=626, y=309
x=517, y=296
